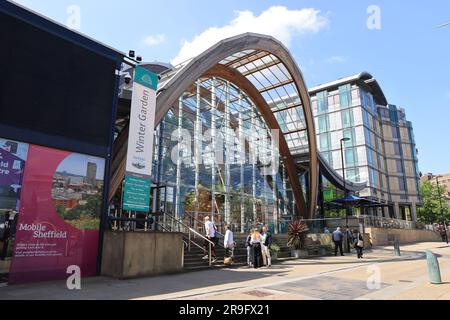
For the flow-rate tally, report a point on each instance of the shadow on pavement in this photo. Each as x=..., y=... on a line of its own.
x=112, y=289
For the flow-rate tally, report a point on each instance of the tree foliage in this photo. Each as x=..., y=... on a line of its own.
x=433, y=197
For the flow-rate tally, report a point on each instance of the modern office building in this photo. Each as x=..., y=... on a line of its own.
x=380, y=147
x=91, y=174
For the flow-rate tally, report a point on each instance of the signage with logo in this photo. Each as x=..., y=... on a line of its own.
x=140, y=143
x=59, y=214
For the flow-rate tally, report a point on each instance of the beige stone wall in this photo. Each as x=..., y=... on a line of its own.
x=138, y=254
x=384, y=237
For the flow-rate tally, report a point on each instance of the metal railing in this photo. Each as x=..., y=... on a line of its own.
x=129, y=224
x=202, y=224
x=178, y=225
x=391, y=223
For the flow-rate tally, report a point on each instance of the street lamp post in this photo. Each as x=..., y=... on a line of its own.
x=441, y=207
x=343, y=164
x=345, y=188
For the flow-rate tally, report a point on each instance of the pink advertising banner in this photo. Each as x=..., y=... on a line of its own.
x=59, y=216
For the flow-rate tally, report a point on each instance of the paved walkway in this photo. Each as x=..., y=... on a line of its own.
x=380, y=275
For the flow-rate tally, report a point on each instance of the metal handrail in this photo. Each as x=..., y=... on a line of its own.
x=210, y=243
x=198, y=220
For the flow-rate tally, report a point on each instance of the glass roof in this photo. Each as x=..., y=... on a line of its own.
x=271, y=78
x=274, y=82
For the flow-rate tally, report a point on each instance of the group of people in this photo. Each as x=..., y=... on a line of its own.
x=258, y=245
x=259, y=241
x=354, y=239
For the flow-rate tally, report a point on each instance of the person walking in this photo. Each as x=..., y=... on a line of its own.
x=210, y=230
x=256, y=242
x=265, y=247
x=350, y=239
x=358, y=243
x=248, y=244
x=228, y=242
x=338, y=236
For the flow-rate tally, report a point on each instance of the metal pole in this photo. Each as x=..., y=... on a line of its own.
x=210, y=257
x=343, y=177
x=189, y=243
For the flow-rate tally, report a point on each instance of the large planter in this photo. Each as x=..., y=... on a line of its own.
x=128, y=255
x=299, y=253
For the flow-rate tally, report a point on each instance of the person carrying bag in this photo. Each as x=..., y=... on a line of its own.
x=359, y=244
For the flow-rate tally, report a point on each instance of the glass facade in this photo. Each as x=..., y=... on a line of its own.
x=381, y=150
x=217, y=157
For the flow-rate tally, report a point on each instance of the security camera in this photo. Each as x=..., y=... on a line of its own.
x=127, y=78
x=131, y=53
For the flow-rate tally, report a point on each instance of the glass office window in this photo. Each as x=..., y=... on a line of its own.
x=323, y=124
x=350, y=134
x=373, y=178
x=345, y=96
x=350, y=157
x=324, y=142
x=322, y=102
x=401, y=184
x=370, y=156
x=372, y=104
x=366, y=118
x=328, y=157
x=347, y=118
x=368, y=137
x=353, y=175
x=399, y=166
x=397, y=150
x=395, y=132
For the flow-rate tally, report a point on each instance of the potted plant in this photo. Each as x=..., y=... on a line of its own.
x=297, y=233
x=274, y=250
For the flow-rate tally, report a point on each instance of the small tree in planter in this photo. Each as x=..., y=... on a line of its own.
x=297, y=233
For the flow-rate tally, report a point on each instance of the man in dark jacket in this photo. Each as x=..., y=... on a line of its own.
x=267, y=242
x=338, y=236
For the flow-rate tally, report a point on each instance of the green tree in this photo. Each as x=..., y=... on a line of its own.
x=431, y=211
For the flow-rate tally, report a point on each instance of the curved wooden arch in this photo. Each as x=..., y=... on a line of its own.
x=249, y=41
x=236, y=78
x=207, y=61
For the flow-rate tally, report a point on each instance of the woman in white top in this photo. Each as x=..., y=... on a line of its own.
x=228, y=242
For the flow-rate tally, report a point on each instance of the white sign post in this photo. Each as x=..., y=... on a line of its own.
x=140, y=141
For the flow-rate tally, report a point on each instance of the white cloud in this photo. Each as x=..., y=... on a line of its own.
x=153, y=40
x=336, y=60
x=277, y=21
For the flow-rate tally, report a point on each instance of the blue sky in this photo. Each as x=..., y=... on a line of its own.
x=409, y=55
x=77, y=164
